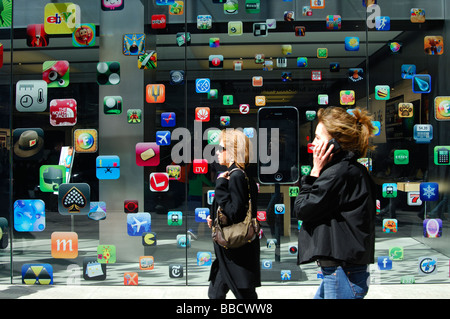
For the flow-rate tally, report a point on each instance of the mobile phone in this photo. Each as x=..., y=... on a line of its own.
x=278, y=145
x=336, y=144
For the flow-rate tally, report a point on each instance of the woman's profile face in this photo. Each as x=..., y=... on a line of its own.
x=221, y=156
x=322, y=134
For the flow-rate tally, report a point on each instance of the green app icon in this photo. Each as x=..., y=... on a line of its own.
x=50, y=177
x=396, y=253
x=231, y=7
x=174, y=218
x=441, y=155
x=213, y=137
x=252, y=6
x=293, y=191
x=401, y=157
x=305, y=169
x=228, y=100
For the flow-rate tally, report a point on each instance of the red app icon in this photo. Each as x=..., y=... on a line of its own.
x=200, y=166
x=130, y=206
x=159, y=21
x=261, y=215
x=156, y=93
x=63, y=112
x=202, y=114
x=159, y=182
x=310, y=148
x=147, y=154
x=36, y=35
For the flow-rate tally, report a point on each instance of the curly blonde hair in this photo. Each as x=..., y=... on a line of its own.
x=351, y=129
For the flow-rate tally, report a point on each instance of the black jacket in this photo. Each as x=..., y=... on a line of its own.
x=241, y=265
x=338, y=213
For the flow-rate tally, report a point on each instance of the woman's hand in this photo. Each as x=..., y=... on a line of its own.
x=322, y=155
x=225, y=175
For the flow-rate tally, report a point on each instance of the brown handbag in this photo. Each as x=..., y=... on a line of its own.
x=235, y=235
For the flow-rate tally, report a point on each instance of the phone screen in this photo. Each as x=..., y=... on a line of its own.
x=278, y=145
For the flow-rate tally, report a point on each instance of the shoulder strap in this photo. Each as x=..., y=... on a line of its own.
x=246, y=177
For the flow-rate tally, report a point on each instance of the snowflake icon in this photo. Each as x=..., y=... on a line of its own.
x=429, y=191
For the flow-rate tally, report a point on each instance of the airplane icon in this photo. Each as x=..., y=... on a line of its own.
x=138, y=223
x=163, y=137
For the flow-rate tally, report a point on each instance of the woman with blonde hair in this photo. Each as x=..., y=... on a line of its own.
x=236, y=269
x=336, y=204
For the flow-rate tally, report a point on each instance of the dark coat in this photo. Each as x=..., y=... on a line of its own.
x=338, y=213
x=240, y=266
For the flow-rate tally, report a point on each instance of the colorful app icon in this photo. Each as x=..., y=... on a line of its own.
x=333, y=22
x=159, y=182
x=260, y=100
x=146, y=263
x=257, y=81
x=235, y=28
x=441, y=155
x=183, y=38
x=351, y=43
x=168, y=119
x=204, y=22
x=138, y=223
x=244, y=108
x=322, y=99
x=74, y=199
x=201, y=214
x=36, y=36
x=390, y=225
x=300, y=31
x=389, y=190
x=210, y=197
x=93, y=270
x=401, y=157
x=106, y=254
x=316, y=75
x=347, y=97
x=286, y=49
x=322, y=53
x=382, y=92
x=183, y=241
x=134, y=116
x=279, y=209
x=163, y=137
x=408, y=70
x=155, y=93
x=64, y=245
x=376, y=127
x=202, y=85
x=434, y=45
x=317, y=4
x=302, y=62
x=174, y=172
x=355, y=75
x=63, y=112
x=109, y=5
x=50, y=177
x=442, y=108
x=204, y=258
x=202, y=114
x=174, y=218
x=225, y=120
x=108, y=73
x=158, y=21
x=61, y=18
x=266, y=264
x=238, y=65
x=130, y=206
x=231, y=7
x=31, y=96
x=429, y=191
x=421, y=83
x=405, y=109
x=216, y=61
x=29, y=215
x=176, y=8
x=384, y=263
x=427, y=265
x=149, y=239
x=395, y=46
x=382, y=23
x=112, y=104
x=417, y=15
x=84, y=35
x=307, y=11
x=147, y=154
x=200, y=166
x=37, y=274
x=97, y=210
x=432, y=228
x=107, y=167
x=148, y=61
x=214, y=42
x=423, y=133
x=85, y=140
x=286, y=274
x=56, y=73
x=134, y=44
x=413, y=198
x=289, y=16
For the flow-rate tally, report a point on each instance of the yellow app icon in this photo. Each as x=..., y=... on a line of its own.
x=61, y=18
x=260, y=100
x=286, y=49
x=235, y=28
x=405, y=109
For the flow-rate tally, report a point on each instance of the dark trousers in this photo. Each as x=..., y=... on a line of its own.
x=218, y=289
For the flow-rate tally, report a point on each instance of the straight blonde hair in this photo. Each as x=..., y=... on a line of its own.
x=238, y=147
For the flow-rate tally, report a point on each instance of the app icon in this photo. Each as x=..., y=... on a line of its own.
x=174, y=172
x=50, y=177
x=302, y=62
x=231, y=7
x=31, y=96
x=271, y=23
x=382, y=92
x=200, y=166
x=281, y=62
x=93, y=270
x=286, y=49
x=201, y=214
x=390, y=225
x=421, y=83
x=257, y=81
x=235, y=28
x=252, y=6
x=214, y=42
x=316, y=75
x=434, y=45
x=56, y=73
x=112, y=104
x=227, y=99
x=429, y=191
x=293, y=191
x=322, y=99
x=238, y=65
x=174, y=218
x=347, y=97
x=36, y=36
x=286, y=273
x=168, y=119
x=423, y=133
x=317, y=4
x=175, y=271
x=396, y=253
x=183, y=38
x=225, y=121
x=138, y=223
x=146, y=263
x=306, y=11
x=213, y=137
x=244, y=108
x=61, y=18
x=216, y=61
x=441, y=155
x=260, y=29
x=405, y=109
x=84, y=35
x=134, y=116
x=149, y=239
x=432, y=228
x=210, y=197
x=442, y=108
x=28, y=143
x=163, y=137
x=204, y=258
x=108, y=5
x=417, y=15
x=108, y=73
x=63, y=112
x=384, y=263
x=279, y=209
x=408, y=70
x=204, y=22
x=148, y=61
x=376, y=127
x=147, y=154
x=29, y=215
x=85, y=140
x=382, y=23
x=260, y=100
x=322, y=53
x=261, y=215
x=108, y=167
x=159, y=182
x=413, y=198
x=134, y=44
x=266, y=264
x=202, y=114
x=64, y=245
x=355, y=75
x=176, y=8
x=106, y=254
x=289, y=16
x=202, y=85
x=74, y=198
x=305, y=169
x=176, y=77
x=351, y=44
x=183, y=241
x=97, y=210
x=334, y=22
x=130, y=206
x=37, y=274
x=401, y=157
x=300, y=31
x=389, y=190
x=155, y=93
x=158, y=21
x=427, y=265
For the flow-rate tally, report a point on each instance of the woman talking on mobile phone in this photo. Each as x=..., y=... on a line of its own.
x=336, y=205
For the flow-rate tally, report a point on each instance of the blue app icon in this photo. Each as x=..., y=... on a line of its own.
x=168, y=119
x=423, y=133
x=421, y=83
x=383, y=23
x=408, y=70
x=138, y=224
x=108, y=167
x=279, y=209
x=204, y=258
x=285, y=275
x=202, y=85
x=163, y=137
x=302, y=62
x=266, y=264
x=351, y=44
x=384, y=263
x=201, y=214
x=429, y=191
x=29, y=215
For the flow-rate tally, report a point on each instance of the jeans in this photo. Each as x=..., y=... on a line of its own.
x=344, y=283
